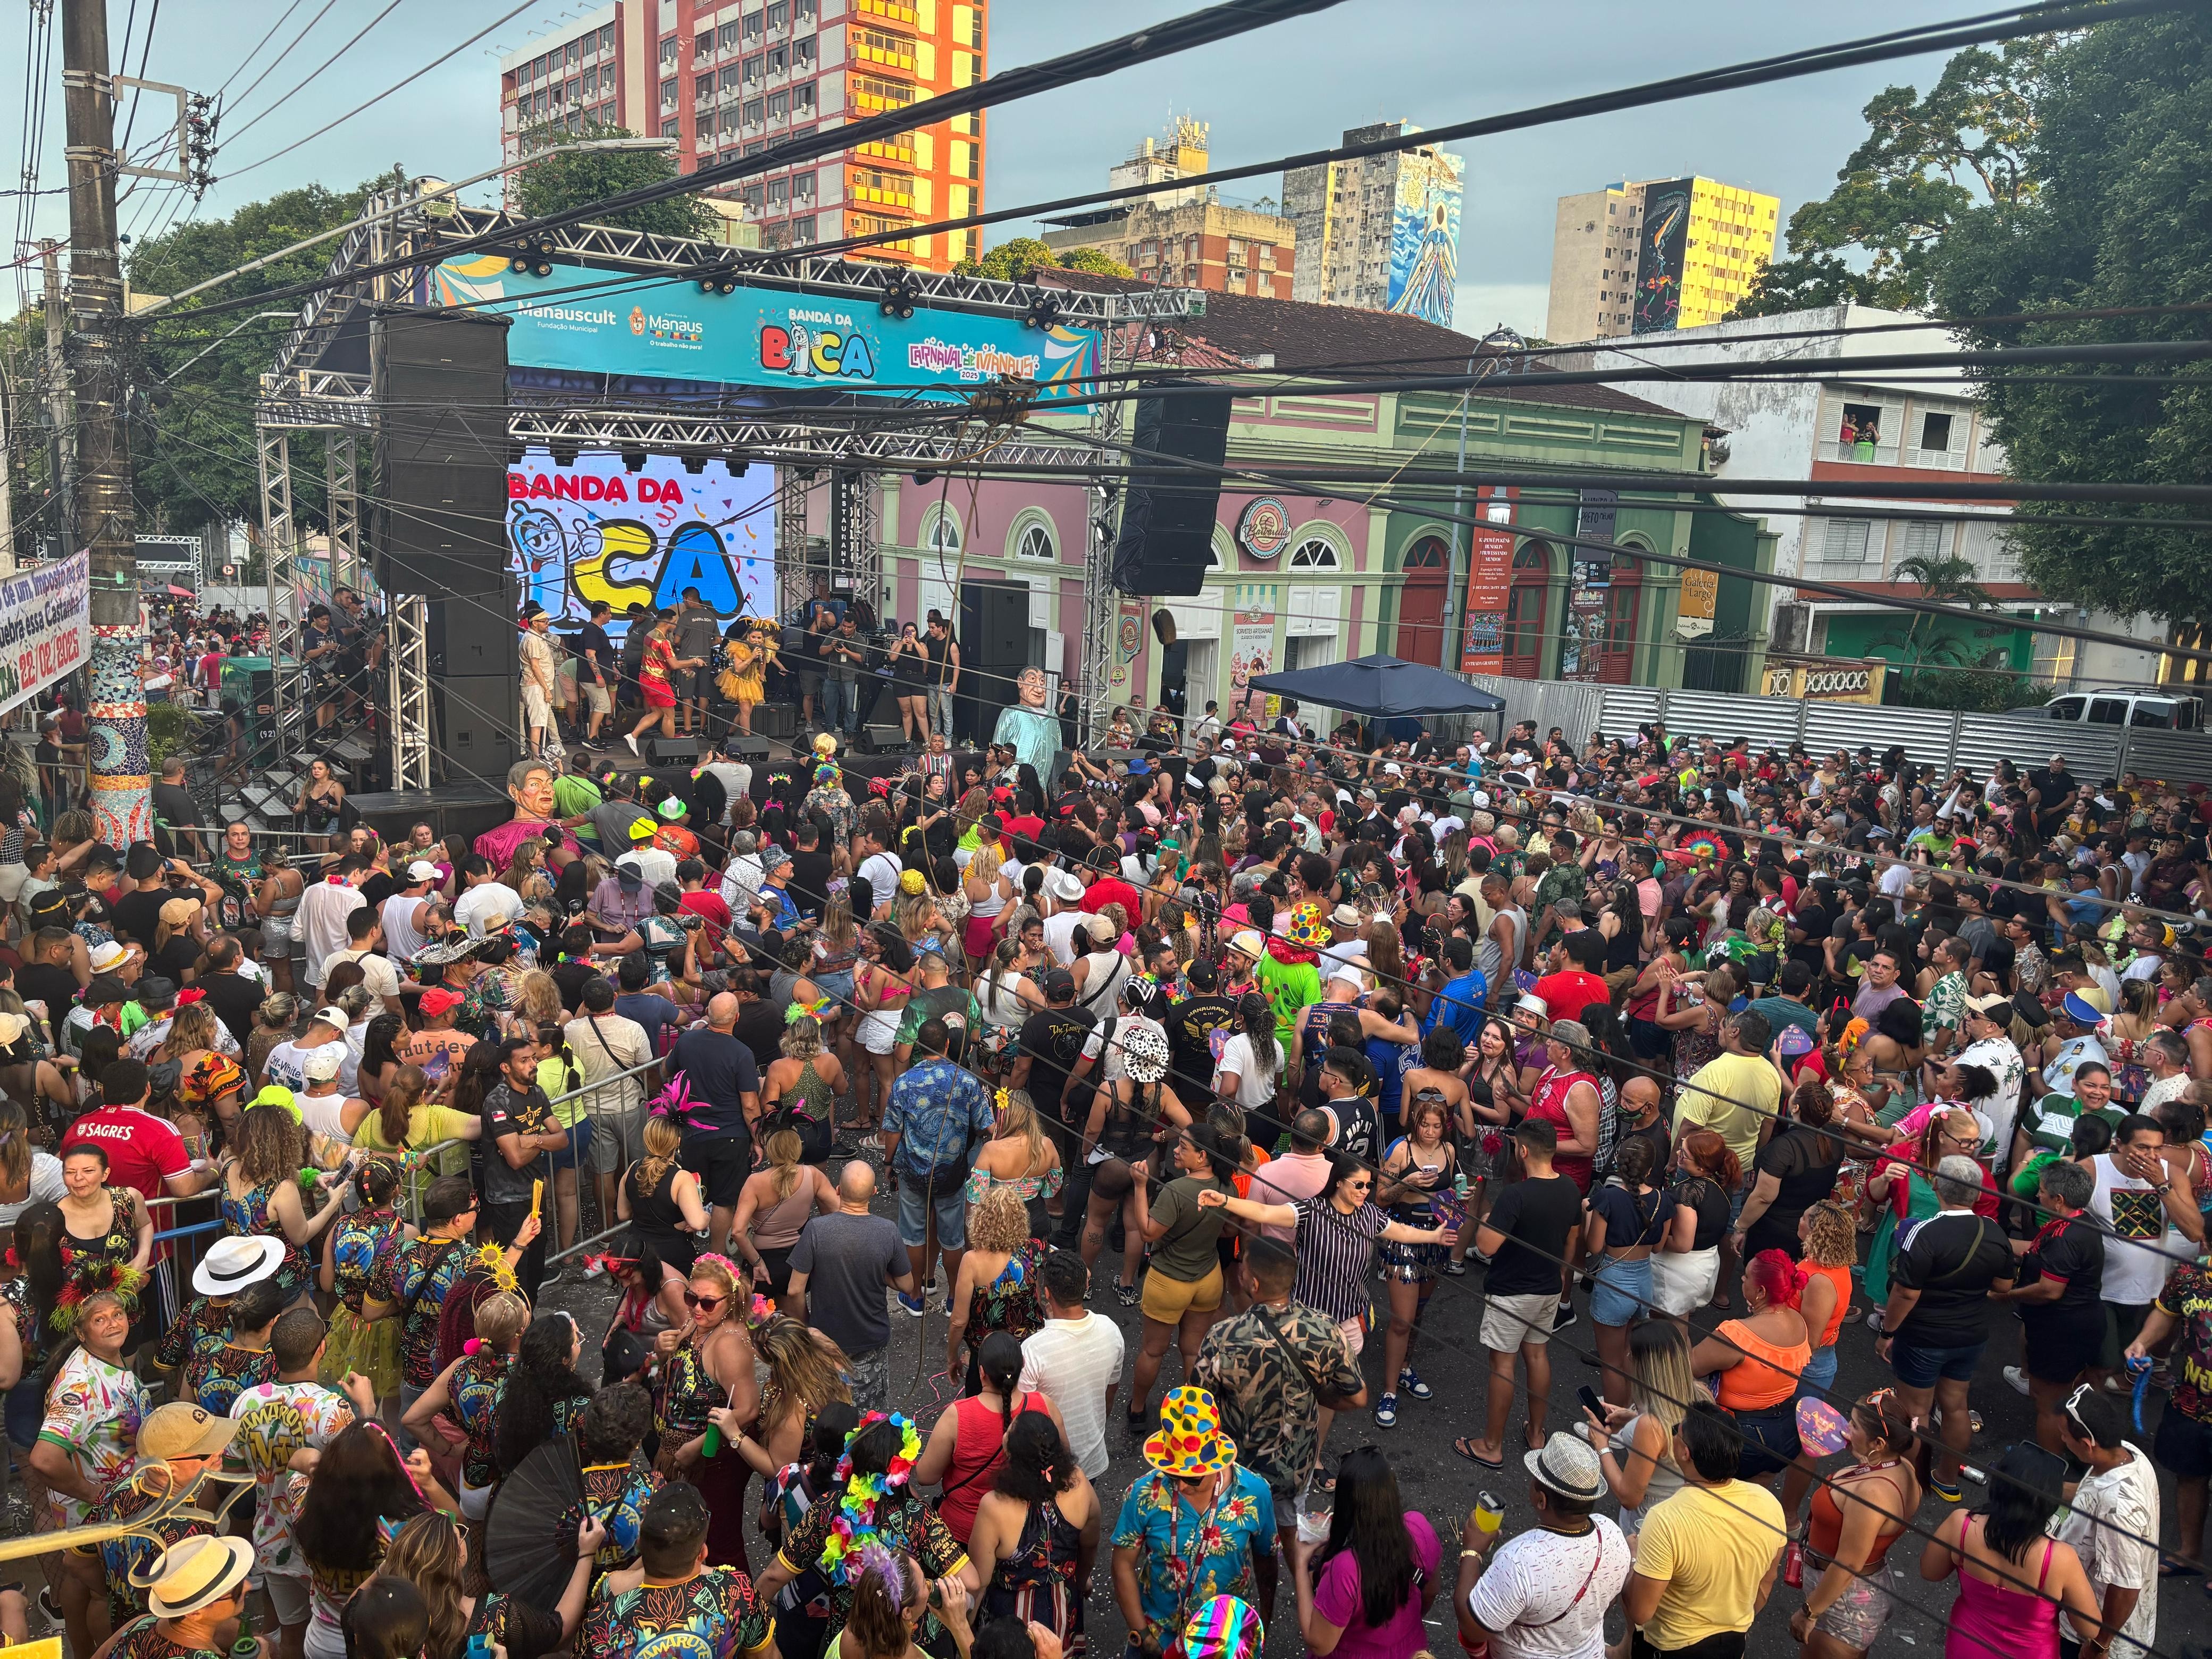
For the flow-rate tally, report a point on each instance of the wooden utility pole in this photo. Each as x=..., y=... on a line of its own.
x=61, y=412
x=105, y=520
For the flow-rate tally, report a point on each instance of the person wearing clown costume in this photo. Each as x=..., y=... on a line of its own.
x=870, y=1505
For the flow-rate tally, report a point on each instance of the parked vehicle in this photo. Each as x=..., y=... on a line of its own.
x=2156, y=710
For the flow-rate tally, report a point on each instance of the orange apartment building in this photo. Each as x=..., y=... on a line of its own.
x=731, y=79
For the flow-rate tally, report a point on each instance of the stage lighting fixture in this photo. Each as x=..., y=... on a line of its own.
x=633, y=460
x=534, y=258
x=901, y=290
x=718, y=279
x=695, y=464
x=1043, y=311
x=563, y=455
x=924, y=479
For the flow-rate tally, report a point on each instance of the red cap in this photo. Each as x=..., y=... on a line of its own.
x=438, y=1000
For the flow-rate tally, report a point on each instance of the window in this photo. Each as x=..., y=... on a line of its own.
x=668, y=51
x=1037, y=544
x=1844, y=541
x=730, y=73
x=1936, y=432
x=1923, y=539
x=753, y=71
x=802, y=188
x=703, y=44
x=607, y=38
x=779, y=59
x=802, y=55
x=575, y=53
x=1313, y=554
x=779, y=106
x=803, y=10
x=753, y=29
x=726, y=36
x=702, y=88
x=779, y=14
x=753, y=112
x=1523, y=639
x=942, y=533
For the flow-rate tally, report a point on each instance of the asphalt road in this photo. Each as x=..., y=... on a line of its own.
x=1442, y=1485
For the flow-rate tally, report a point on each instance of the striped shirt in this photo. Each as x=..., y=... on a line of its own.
x=1335, y=1252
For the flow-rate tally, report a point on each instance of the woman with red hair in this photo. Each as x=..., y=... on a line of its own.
x=1760, y=1358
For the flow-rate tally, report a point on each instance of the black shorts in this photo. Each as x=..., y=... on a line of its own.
x=2184, y=1445
x=1728, y=1644
x=721, y=1161
x=2062, y=1342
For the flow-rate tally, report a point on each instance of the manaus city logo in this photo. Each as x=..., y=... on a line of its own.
x=637, y=319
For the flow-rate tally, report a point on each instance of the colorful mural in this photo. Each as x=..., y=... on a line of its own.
x=1424, y=237
x=1662, y=257
x=121, y=809
x=593, y=530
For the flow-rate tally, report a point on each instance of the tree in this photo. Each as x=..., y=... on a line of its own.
x=2116, y=219
x=1019, y=260
x=1922, y=642
x=1926, y=164
x=560, y=180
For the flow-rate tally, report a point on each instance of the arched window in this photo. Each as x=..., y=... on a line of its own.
x=1524, y=610
x=1314, y=553
x=1036, y=543
x=942, y=533
x=1624, y=600
x=1427, y=554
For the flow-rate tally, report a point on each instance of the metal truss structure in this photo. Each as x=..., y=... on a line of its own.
x=849, y=445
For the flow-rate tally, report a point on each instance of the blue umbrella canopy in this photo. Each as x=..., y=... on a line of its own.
x=1382, y=688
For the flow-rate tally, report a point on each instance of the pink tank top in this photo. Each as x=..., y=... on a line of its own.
x=1989, y=1619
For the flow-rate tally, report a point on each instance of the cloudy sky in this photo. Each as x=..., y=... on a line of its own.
x=1291, y=87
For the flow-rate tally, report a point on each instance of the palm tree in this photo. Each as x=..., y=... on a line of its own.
x=1931, y=642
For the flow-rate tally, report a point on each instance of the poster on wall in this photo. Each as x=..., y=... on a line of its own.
x=1424, y=236
x=758, y=336
x=593, y=530
x=1700, y=590
x=1251, y=640
x=1582, y=639
x=45, y=626
x=1489, y=584
x=1662, y=254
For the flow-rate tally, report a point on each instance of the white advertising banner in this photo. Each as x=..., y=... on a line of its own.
x=45, y=626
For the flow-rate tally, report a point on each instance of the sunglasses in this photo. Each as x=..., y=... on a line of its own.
x=705, y=1304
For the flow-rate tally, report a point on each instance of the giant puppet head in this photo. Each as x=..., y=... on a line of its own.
x=530, y=787
x=1031, y=687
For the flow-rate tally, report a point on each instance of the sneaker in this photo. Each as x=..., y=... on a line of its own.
x=630, y=737
x=47, y=1608
x=1455, y=1269
x=912, y=1304
x=1564, y=1319
x=1409, y=1382
x=2017, y=1377
x=1386, y=1412
x=1128, y=1294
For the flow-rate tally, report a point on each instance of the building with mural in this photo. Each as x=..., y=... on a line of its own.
x=1654, y=256
x=1381, y=232
x=727, y=80
x=1300, y=577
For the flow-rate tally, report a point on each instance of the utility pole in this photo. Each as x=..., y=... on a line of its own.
x=61, y=415
x=7, y=478
x=105, y=522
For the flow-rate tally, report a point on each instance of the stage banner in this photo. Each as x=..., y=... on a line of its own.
x=594, y=530
x=45, y=626
x=1489, y=584
x=758, y=336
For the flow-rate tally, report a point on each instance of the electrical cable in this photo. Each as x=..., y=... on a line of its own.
x=286, y=53
x=238, y=132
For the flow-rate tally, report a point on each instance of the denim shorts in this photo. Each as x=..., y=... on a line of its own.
x=948, y=1199
x=1920, y=1368
x=1819, y=1374
x=1621, y=1292
x=26, y=1411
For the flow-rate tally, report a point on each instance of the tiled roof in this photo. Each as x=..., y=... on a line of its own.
x=1346, y=341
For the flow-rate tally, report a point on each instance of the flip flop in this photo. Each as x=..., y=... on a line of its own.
x=1462, y=1446
x=2175, y=1569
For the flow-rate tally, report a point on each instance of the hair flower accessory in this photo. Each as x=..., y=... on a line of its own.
x=854, y=1525
x=819, y=1010
x=493, y=1260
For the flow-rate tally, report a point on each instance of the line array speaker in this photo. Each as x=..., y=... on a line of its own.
x=995, y=648
x=440, y=383
x=1166, y=537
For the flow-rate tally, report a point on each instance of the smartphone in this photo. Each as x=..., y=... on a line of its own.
x=1591, y=1403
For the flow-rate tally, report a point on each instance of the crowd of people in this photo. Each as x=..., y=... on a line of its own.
x=1708, y=1055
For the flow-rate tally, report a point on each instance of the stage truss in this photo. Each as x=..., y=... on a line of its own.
x=809, y=446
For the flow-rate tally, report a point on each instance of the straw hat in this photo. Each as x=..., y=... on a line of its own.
x=195, y=1574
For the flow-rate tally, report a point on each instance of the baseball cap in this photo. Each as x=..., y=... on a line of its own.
x=334, y=1017
x=421, y=870
x=178, y=1429
x=439, y=1000
x=628, y=873
x=322, y=1064
x=1057, y=981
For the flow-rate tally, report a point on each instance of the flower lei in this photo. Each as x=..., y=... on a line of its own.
x=854, y=1524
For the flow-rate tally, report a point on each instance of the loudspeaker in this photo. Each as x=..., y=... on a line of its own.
x=1167, y=516
x=475, y=633
x=881, y=739
x=995, y=648
x=478, y=717
x=779, y=721
x=440, y=383
x=747, y=749
x=665, y=752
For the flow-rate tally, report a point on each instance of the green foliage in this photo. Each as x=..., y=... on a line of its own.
x=1975, y=690
x=556, y=183
x=2117, y=220
x=1918, y=640
x=168, y=729
x=1022, y=258
x=1927, y=163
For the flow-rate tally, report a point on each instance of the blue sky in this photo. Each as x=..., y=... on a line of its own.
x=1294, y=87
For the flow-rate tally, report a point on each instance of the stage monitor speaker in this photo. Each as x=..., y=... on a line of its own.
x=478, y=716
x=883, y=739
x=995, y=648
x=1166, y=540
x=747, y=749
x=779, y=721
x=476, y=633
x=440, y=383
x=666, y=751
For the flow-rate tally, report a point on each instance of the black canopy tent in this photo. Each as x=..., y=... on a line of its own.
x=1382, y=687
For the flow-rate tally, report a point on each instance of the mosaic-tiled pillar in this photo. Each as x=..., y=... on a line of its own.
x=121, y=809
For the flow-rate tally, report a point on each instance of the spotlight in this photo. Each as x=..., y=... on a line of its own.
x=924, y=478
x=901, y=290
x=534, y=258
x=564, y=455
x=738, y=466
x=695, y=464
x=633, y=460
x=718, y=280
x=1043, y=311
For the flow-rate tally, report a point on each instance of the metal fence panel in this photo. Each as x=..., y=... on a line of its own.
x=1725, y=714
x=2091, y=752
x=1927, y=734
x=2173, y=756
x=1628, y=707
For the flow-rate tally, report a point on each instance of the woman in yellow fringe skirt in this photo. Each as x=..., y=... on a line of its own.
x=352, y=1249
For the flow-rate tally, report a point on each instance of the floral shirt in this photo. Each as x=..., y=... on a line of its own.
x=136, y=1492
x=143, y=1640
x=276, y=1419
x=615, y=1494
x=218, y=1377
x=1009, y=1303
x=93, y=1413
x=835, y=806
x=1266, y=1394
x=939, y=1111
x=1946, y=1003
x=1184, y=1556
x=358, y=1242
x=255, y=1214
x=475, y=1385
x=415, y=1276
x=204, y=1327
x=710, y=1616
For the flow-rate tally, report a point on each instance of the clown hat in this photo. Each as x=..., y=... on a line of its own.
x=1306, y=928
x=1189, y=1441
x=1224, y=1627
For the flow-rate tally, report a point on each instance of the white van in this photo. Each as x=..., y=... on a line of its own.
x=2157, y=710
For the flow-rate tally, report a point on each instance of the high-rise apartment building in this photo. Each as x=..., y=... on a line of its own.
x=731, y=79
x=1380, y=232
x=1183, y=237
x=1645, y=257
